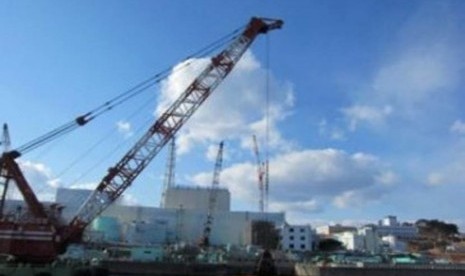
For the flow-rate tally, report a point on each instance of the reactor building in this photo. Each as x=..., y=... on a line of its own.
x=180, y=220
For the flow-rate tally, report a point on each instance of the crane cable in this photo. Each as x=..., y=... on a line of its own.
x=100, y=161
x=267, y=121
x=103, y=139
x=123, y=97
x=118, y=100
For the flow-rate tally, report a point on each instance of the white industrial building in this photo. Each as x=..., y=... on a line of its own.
x=350, y=240
x=329, y=230
x=371, y=241
x=195, y=198
x=297, y=237
x=388, y=235
x=389, y=226
x=392, y=244
x=363, y=239
x=182, y=220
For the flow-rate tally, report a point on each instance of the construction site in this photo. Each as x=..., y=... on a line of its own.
x=193, y=232
x=197, y=138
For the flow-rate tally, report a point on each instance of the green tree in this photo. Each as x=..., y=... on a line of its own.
x=330, y=245
x=436, y=229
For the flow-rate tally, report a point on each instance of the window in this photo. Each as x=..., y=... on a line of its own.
x=302, y=230
x=302, y=246
x=291, y=230
x=291, y=238
x=291, y=245
x=302, y=238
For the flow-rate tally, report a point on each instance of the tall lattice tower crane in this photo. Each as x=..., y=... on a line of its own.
x=267, y=183
x=170, y=171
x=260, y=174
x=212, y=198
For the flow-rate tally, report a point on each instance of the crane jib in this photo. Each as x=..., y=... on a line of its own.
x=138, y=157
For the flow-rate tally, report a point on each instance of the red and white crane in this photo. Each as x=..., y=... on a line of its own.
x=260, y=175
x=43, y=232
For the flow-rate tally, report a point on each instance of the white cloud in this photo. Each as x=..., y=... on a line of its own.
x=448, y=173
x=458, y=127
x=337, y=134
x=236, y=110
x=425, y=68
x=128, y=200
x=240, y=179
x=333, y=132
x=303, y=178
x=124, y=128
x=416, y=76
x=369, y=114
x=347, y=199
x=435, y=179
x=387, y=178
x=309, y=206
x=322, y=172
x=40, y=179
x=212, y=152
x=84, y=185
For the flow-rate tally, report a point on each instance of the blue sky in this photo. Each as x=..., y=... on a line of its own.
x=366, y=115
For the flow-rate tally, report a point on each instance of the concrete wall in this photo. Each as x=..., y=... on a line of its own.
x=310, y=270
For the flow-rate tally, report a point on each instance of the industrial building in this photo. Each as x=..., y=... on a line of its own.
x=195, y=198
x=388, y=235
x=182, y=220
x=389, y=226
x=297, y=237
x=329, y=230
x=363, y=239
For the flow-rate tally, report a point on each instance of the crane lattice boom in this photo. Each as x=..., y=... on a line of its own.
x=138, y=157
x=170, y=171
x=213, y=196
